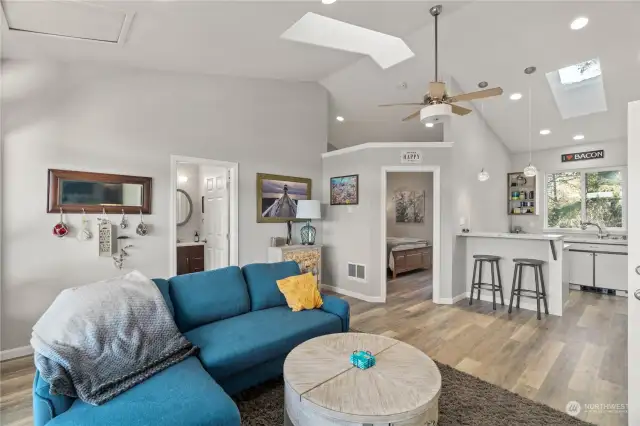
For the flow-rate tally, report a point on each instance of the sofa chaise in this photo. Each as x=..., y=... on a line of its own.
x=244, y=329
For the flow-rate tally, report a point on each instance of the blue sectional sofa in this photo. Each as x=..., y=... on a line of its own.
x=244, y=329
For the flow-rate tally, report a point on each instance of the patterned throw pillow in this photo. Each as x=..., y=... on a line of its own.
x=301, y=292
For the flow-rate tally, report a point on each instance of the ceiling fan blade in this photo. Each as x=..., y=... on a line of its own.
x=409, y=104
x=412, y=116
x=496, y=91
x=458, y=110
x=436, y=90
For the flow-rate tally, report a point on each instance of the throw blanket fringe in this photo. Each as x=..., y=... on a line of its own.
x=97, y=341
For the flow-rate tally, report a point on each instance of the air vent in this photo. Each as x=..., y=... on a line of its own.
x=356, y=271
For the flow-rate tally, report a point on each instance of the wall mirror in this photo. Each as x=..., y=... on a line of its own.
x=184, y=207
x=74, y=192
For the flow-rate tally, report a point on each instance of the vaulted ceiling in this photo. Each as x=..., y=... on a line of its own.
x=492, y=41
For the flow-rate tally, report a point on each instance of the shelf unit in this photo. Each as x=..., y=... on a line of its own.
x=524, y=205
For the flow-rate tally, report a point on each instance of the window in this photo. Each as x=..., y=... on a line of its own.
x=585, y=196
x=580, y=72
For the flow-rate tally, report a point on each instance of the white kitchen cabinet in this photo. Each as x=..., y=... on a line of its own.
x=611, y=271
x=581, y=267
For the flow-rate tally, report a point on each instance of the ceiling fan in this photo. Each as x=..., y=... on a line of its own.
x=437, y=94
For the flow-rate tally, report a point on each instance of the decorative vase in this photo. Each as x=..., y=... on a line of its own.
x=308, y=234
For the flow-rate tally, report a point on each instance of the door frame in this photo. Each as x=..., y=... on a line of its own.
x=233, y=207
x=436, y=243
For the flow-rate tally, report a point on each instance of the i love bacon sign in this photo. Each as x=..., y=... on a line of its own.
x=579, y=156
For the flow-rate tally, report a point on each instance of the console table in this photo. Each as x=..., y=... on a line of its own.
x=309, y=258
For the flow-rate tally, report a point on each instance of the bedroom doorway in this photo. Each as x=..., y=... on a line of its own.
x=411, y=231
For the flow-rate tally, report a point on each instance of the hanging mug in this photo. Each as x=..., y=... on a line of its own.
x=84, y=234
x=60, y=229
x=142, y=229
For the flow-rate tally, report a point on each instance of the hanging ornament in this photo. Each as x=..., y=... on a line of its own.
x=84, y=234
x=530, y=170
x=124, y=223
x=61, y=229
x=142, y=229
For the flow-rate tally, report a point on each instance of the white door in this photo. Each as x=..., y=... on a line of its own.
x=581, y=267
x=215, y=218
x=633, y=267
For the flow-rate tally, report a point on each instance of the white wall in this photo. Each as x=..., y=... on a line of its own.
x=354, y=233
x=349, y=133
x=192, y=187
x=548, y=161
x=411, y=181
x=115, y=120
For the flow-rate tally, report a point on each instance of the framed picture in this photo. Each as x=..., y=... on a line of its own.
x=277, y=197
x=344, y=190
x=409, y=206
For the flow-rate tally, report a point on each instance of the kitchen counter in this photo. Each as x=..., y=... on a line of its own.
x=521, y=236
x=549, y=248
x=591, y=240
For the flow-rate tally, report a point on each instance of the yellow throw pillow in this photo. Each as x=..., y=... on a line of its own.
x=301, y=292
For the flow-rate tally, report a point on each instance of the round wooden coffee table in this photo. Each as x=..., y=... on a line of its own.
x=323, y=388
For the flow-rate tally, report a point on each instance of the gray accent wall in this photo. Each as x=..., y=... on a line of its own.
x=101, y=118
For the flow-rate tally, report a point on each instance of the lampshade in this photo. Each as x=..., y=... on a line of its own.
x=308, y=209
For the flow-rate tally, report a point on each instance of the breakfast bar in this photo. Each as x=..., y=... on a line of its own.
x=509, y=246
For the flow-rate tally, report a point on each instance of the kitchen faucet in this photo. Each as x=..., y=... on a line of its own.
x=601, y=233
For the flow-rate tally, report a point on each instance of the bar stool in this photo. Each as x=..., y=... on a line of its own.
x=480, y=259
x=538, y=293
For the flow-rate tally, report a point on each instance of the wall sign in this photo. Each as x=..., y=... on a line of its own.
x=411, y=157
x=579, y=156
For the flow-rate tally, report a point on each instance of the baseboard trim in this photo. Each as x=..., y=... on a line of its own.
x=452, y=300
x=372, y=299
x=15, y=353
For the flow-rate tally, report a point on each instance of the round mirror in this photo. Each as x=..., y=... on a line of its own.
x=184, y=207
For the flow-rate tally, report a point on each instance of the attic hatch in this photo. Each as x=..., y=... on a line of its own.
x=67, y=18
x=578, y=89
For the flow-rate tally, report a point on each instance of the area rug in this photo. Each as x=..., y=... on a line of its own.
x=465, y=400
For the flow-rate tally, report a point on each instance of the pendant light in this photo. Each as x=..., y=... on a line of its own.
x=483, y=176
x=530, y=170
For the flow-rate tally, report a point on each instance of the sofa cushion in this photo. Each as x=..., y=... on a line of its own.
x=209, y=296
x=182, y=395
x=236, y=344
x=163, y=286
x=261, y=280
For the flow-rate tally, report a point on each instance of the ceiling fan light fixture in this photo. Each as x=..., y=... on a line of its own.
x=433, y=114
x=483, y=176
x=515, y=96
x=579, y=23
x=429, y=124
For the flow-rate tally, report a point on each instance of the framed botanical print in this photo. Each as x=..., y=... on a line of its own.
x=278, y=196
x=344, y=190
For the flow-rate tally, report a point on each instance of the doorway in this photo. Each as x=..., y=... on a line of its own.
x=410, y=254
x=204, y=212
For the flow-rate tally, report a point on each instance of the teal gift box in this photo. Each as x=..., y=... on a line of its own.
x=363, y=359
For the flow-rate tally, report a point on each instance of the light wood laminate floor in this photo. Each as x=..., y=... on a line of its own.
x=581, y=356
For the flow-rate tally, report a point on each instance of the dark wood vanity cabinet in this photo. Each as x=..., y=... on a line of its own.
x=190, y=259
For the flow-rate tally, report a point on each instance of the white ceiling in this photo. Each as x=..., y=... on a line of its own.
x=495, y=41
x=213, y=37
x=492, y=41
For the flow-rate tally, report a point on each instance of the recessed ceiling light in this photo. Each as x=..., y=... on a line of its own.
x=545, y=132
x=579, y=23
x=578, y=137
x=515, y=96
x=328, y=1
x=429, y=124
x=340, y=118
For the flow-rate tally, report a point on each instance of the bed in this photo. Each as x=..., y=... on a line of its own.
x=408, y=254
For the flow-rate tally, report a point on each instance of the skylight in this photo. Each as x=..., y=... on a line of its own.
x=386, y=50
x=580, y=72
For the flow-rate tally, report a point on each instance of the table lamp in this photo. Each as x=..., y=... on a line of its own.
x=308, y=209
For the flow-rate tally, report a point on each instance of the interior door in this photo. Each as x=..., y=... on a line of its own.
x=633, y=268
x=216, y=219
